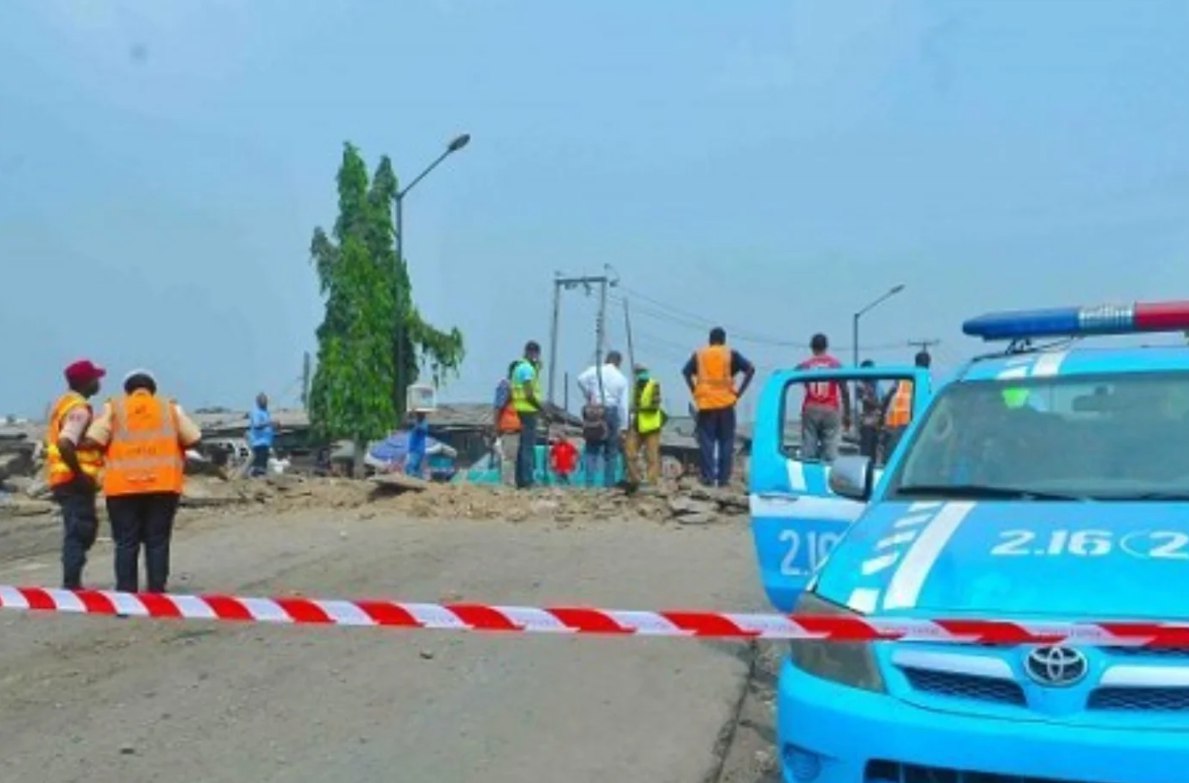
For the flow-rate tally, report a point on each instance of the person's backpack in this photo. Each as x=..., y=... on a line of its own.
x=594, y=423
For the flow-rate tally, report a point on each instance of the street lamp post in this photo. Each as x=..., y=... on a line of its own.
x=457, y=143
x=454, y=146
x=855, y=328
x=860, y=313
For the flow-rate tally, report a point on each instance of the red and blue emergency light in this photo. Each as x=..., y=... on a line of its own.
x=1081, y=321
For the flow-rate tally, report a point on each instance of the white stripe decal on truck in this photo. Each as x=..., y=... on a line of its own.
x=881, y=563
x=905, y=586
x=797, y=476
x=864, y=600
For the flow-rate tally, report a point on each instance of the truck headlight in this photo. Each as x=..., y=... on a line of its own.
x=847, y=663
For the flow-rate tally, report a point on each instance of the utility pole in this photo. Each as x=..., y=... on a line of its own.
x=305, y=381
x=631, y=373
x=601, y=335
x=553, y=326
x=627, y=323
x=923, y=345
x=586, y=282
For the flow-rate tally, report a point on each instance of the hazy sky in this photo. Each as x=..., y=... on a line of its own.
x=768, y=165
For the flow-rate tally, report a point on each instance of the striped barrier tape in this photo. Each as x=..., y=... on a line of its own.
x=298, y=610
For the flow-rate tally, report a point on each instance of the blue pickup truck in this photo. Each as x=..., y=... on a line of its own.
x=1039, y=483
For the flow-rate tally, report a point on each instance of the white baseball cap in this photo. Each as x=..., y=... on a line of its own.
x=141, y=373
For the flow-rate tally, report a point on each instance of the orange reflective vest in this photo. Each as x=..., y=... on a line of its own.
x=144, y=454
x=509, y=420
x=900, y=409
x=715, y=386
x=89, y=459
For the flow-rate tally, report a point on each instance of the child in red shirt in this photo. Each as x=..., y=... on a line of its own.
x=563, y=458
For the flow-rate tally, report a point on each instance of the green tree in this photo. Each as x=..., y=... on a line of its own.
x=370, y=321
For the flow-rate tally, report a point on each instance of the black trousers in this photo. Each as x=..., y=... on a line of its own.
x=80, y=525
x=526, y=452
x=142, y=520
x=716, y=440
x=260, y=460
x=869, y=441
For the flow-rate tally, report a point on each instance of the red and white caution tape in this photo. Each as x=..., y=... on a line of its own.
x=581, y=620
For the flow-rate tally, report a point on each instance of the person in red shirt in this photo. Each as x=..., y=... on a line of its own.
x=563, y=459
x=825, y=412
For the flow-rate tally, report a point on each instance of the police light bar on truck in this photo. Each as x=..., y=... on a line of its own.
x=1081, y=321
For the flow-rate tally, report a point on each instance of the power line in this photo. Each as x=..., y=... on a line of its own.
x=923, y=345
x=705, y=325
x=650, y=338
x=695, y=320
x=676, y=316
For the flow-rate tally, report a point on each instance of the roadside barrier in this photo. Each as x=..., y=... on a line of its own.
x=298, y=610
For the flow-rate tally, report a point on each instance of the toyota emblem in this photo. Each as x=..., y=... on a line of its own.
x=1056, y=666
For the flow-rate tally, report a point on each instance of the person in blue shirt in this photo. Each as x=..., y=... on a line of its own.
x=260, y=435
x=418, y=442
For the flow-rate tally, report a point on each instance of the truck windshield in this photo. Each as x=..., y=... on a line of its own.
x=1106, y=437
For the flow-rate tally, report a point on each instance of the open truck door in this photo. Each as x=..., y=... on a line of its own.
x=796, y=519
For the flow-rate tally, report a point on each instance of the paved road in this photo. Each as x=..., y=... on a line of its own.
x=93, y=699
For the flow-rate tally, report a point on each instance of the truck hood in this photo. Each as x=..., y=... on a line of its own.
x=999, y=559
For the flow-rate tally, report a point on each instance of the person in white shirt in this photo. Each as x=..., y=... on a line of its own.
x=606, y=385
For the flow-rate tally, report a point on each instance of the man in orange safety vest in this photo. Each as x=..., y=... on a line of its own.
x=710, y=374
x=898, y=407
x=145, y=438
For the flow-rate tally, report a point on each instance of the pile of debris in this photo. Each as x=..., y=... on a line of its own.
x=23, y=492
x=694, y=504
x=685, y=503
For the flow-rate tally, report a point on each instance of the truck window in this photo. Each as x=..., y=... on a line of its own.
x=1116, y=436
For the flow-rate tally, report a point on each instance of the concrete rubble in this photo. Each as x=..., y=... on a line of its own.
x=24, y=492
x=26, y=496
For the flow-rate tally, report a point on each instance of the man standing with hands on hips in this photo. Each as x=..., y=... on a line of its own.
x=144, y=438
x=710, y=374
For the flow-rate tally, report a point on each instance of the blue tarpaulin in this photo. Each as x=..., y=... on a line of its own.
x=394, y=450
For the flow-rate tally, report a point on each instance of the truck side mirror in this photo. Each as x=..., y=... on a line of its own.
x=852, y=477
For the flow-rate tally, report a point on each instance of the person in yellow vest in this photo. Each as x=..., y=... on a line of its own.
x=526, y=399
x=644, y=432
x=72, y=469
x=710, y=374
x=898, y=407
x=144, y=438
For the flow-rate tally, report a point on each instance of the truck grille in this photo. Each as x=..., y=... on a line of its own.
x=892, y=772
x=1140, y=699
x=1148, y=652
x=965, y=686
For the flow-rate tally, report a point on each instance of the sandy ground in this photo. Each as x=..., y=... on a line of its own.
x=96, y=699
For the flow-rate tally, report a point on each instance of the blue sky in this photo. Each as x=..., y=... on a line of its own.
x=768, y=165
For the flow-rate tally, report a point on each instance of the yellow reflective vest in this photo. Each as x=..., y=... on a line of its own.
x=649, y=417
x=520, y=400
